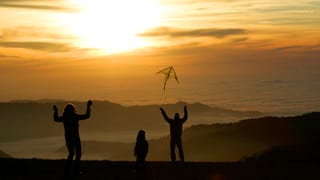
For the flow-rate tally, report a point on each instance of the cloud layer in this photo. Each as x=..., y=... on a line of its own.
x=43, y=46
x=208, y=32
x=31, y=4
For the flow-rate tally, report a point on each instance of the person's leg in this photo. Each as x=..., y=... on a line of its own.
x=140, y=167
x=70, y=147
x=179, y=144
x=78, y=156
x=172, y=150
x=139, y=163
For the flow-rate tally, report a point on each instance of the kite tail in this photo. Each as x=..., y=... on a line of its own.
x=164, y=90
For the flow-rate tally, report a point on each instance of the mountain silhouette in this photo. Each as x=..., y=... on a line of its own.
x=287, y=155
x=223, y=142
x=4, y=155
x=32, y=119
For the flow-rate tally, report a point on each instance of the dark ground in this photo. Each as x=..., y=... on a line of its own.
x=19, y=169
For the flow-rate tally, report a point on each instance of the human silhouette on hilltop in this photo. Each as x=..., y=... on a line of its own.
x=176, y=132
x=70, y=121
x=141, y=151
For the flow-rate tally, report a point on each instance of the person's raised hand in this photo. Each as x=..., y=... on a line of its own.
x=55, y=108
x=89, y=103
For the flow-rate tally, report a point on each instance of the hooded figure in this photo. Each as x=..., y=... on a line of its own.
x=176, y=126
x=141, y=150
x=70, y=120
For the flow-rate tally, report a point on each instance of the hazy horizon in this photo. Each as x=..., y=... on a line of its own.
x=278, y=96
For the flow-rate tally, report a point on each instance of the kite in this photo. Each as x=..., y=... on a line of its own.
x=169, y=72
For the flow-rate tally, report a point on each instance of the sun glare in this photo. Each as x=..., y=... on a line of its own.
x=113, y=25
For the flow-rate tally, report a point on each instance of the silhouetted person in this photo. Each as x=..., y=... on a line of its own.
x=70, y=121
x=141, y=150
x=176, y=132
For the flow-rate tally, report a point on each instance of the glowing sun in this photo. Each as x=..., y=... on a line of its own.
x=113, y=25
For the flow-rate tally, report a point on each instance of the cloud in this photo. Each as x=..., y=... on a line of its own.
x=208, y=32
x=287, y=48
x=240, y=40
x=44, y=46
x=27, y=32
x=5, y=56
x=28, y=5
x=35, y=38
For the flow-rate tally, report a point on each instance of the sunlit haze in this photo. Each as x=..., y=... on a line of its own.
x=249, y=54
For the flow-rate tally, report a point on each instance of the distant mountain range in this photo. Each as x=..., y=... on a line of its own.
x=225, y=141
x=4, y=155
x=32, y=119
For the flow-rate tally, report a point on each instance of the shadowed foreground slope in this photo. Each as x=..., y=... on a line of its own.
x=34, y=169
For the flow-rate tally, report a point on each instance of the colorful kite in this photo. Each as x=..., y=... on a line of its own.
x=169, y=72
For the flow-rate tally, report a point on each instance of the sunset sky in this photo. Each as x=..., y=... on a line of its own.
x=111, y=49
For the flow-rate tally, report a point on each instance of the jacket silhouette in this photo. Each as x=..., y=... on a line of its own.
x=70, y=120
x=176, y=125
x=141, y=150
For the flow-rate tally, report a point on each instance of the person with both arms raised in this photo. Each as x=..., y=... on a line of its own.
x=176, y=125
x=70, y=120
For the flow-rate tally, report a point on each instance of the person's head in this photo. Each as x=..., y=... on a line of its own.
x=69, y=109
x=177, y=116
x=141, y=135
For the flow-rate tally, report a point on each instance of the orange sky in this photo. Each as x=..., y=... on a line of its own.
x=79, y=49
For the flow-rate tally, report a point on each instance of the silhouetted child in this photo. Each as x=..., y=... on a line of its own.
x=176, y=132
x=141, y=151
x=70, y=121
